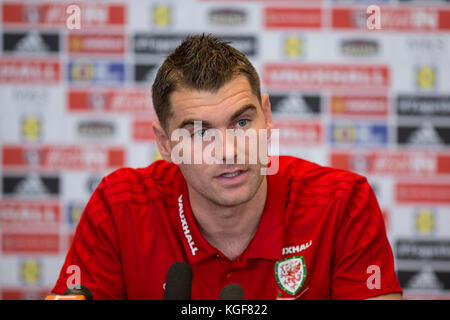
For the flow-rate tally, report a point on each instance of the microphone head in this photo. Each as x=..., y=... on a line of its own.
x=232, y=291
x=178, y=282
x=82, y=291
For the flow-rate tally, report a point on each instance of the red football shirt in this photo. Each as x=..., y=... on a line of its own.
x=321, y=236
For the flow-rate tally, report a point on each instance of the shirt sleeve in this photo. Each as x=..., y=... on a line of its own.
x=363, y=264
x=94, y=253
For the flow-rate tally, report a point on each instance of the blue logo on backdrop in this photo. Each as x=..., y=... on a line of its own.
x=96, y=72
x=360, y=134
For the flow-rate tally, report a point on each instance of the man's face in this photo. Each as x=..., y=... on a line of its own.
x=233, y=107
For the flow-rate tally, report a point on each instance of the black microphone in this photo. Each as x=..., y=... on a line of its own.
x=178, y=282
x=81, y=291
x=232, y=291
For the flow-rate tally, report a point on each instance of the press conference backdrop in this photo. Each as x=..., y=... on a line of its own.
x=76, y=105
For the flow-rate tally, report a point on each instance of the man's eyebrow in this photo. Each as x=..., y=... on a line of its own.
x=187, y=122
x=245, y=108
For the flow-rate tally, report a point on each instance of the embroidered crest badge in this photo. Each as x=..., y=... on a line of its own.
x=290, y=273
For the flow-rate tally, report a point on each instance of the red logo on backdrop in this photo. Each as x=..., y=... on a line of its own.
x=96, y=43
x=30, y=243
x=296, y=132
x=142, y=131
x=318, y=76
x=37, y=214
x=422, y=193
x=63, y=157
x=392, y=163
x=29, y=71
x=359, y=105
x=392, y=18
x=117, y=100
x=310, y=18
x=93, y=14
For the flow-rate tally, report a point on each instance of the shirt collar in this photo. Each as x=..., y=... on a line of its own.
x=267, y=242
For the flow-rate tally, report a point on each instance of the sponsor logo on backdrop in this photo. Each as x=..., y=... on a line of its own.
x=29, y=71
x=359, y=47
x=74, y=211
x=393, y=162
x=145, y=43
x=394, y=18
x=95, y=72
x=145, y=73
x=425, y=1
x=295, y=76
x=116, y=100
x=422, y=193
x=30, y=42
x=426, y=134
x=62, y=157
x=161, y=15
x=305, y=18
x=142, y=131
x=419, y=105
x=163, y=44
x=359, y=105
x=93, y=14
x=31, y=185
x=426, y=77
x=41, y=243
x=357, y=133
x=31, y=128
x=228, y=17
x=39, y=214
x=293, y=47
x=426, y=45
x=246, y=44
x=425, y=221
x=425, y=278
x=430, y=250
x=96, y=129
x=95, y=43
x=295, y=103
x=30, y=271
x=92, y=183
x=24, y=293
x=296, y=132
x=27, y=95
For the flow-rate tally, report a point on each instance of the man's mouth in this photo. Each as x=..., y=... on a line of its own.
x=231, y=174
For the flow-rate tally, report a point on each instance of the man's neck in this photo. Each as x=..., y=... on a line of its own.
x=230, y=229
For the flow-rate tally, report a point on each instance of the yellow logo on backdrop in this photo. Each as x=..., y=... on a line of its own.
x=162, y=15
x=344, y=134
x=293, y=46
x=82, y=71
x=426, y=77
x=425, y=222
x=30, y=271
x=31, y=128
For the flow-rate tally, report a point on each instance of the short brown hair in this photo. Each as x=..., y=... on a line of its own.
x=200, y=62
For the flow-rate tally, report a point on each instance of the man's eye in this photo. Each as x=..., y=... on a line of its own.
x=242, y=123
x=200, y=133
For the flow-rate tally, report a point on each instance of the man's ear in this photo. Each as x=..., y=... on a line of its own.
x=162, y=140
x=265, y=104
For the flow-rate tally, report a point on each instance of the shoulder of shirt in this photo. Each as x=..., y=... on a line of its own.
x=140, y=185
x=313, y=183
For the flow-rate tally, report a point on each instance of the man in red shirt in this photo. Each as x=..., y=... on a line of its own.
x=305, y=232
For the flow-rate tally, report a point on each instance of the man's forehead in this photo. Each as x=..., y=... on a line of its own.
x=187, y=97
x=191, y=103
